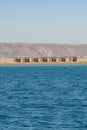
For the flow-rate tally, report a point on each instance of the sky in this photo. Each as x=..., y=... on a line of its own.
x=43, y=21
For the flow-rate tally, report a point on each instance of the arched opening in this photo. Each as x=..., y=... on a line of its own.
x=44, y=59
x=35, y=59
x=63, y=59
x=53, y=59
x=26, y=60
x=17, y=59
x=74, y=59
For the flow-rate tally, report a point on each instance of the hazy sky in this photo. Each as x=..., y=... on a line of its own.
x=53, y=21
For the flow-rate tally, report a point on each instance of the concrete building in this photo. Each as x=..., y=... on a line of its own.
x=52, y=60
x=82, y=59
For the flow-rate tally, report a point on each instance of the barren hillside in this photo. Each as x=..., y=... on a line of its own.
x=39, y=50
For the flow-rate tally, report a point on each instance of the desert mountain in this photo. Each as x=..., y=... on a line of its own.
x=39, y=50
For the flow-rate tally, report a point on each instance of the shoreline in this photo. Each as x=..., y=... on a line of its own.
x=48, y=63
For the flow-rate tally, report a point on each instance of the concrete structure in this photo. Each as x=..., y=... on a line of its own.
x=82, y=59
x=4, y=60
x=43, y=60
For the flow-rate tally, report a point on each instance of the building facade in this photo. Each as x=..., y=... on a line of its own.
x=43, y=60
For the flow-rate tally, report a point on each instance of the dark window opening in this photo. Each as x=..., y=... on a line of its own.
x=63, y=59
x=74, y=59
x=44, y=59
x=18, y=60
x=35, y=59
x=27, y=60
x=53, y=59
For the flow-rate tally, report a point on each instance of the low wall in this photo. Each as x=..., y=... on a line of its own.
x=82, y=60
x=6, y=60
x=31, y=60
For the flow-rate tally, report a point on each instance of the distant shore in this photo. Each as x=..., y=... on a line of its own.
x=50, y=63
x=44, y=60
x=42, y=49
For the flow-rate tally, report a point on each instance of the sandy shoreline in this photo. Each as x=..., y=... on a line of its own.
x=48, y=63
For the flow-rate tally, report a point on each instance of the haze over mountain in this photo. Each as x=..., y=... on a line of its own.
x=41, y=50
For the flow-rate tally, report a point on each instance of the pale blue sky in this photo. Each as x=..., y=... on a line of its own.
x=48, y=21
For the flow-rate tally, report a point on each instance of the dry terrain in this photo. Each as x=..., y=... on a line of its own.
x=39, y=50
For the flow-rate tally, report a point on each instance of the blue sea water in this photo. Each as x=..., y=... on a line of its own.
x=43, y=97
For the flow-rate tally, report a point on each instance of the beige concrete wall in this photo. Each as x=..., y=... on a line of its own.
x=82, y=60
x=4, y=60
x=67, y=60
x=31, y=59
x=49, y=59
x=58, y=59
x=70, y=59
x=40, y=59
x=22, y=60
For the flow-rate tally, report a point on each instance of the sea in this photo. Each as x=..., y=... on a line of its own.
x=43, y=97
